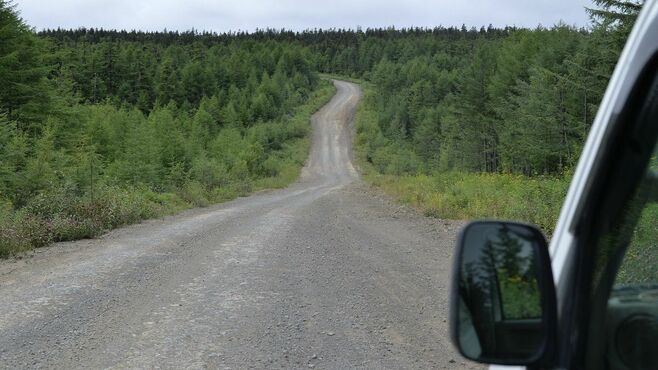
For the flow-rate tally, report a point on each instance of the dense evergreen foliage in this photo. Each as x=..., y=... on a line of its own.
x=94, y=120
x=100, y=132
x=521, y=102
x=494, y=127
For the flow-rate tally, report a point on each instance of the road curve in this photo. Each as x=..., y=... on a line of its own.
x=326, y=273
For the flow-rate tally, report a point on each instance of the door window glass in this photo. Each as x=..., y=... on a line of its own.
x=632, y=314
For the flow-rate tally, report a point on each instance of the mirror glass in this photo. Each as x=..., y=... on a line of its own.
x=499, y=311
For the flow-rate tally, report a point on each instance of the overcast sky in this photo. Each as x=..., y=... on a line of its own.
x=225, y=15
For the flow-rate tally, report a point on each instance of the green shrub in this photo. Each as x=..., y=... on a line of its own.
x=21, y=231
x=194, y=193
x=67, y=228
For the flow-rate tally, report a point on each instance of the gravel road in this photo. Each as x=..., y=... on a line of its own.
x=327, y=273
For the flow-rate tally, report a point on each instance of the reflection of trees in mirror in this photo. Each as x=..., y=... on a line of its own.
x=500, y=283
x=479, y=296
x=516, y=271
x=509, y=259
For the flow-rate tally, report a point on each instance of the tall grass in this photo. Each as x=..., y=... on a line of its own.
x=458, y=195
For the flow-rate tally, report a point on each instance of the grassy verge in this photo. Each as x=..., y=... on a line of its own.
x=457, y=195
x=453, y=195
x=62, y=214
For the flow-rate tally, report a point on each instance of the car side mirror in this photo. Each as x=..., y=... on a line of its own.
x=503, y=307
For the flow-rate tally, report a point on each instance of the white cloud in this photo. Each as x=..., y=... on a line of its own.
x=225, y=15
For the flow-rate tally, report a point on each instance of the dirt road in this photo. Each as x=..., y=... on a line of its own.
x=326, y=273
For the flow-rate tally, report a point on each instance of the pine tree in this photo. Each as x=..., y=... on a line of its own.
x=616, y=13
x=24, y=92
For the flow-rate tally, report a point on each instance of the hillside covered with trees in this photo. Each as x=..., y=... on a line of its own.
x=521, y=103
x=96, y=133
x=100, y=128
x=490, y=125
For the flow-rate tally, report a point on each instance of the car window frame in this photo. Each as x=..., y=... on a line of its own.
x=601, y=208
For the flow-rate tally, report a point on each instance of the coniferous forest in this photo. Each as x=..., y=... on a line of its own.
x=100, y=128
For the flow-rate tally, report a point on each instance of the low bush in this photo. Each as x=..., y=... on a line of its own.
x=194, y=193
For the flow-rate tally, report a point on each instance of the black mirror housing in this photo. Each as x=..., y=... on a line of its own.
x=503, y=306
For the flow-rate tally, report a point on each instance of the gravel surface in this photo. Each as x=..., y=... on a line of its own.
x=327, y=273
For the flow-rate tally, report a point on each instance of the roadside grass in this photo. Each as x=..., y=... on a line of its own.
x=61, y=214
x=453, y=195
x=458, y=195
